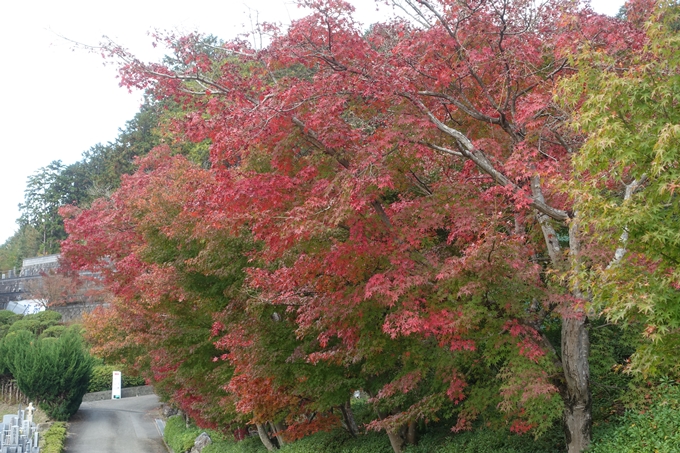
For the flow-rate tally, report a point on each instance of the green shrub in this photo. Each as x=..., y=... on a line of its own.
x=36, y=323
x=8, y=318
x=53, y=332
x=54, y=438
x=339, y=441
x=178, y=437
x=102, y=377
x=12, y=349
x=654, y=429
x=54, y=371
x=489, y=441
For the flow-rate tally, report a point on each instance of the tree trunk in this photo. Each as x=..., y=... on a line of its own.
x=396, y=440
x=348, y=417
x=411, y=433
x=264, y=437
x=279, y=428
x=578, y=403
x=404, y=435
x=578, y=419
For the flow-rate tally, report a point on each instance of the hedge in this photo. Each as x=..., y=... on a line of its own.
x=54, y=438
x=102, y=376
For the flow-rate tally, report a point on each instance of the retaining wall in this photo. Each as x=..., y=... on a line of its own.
x=74, y=312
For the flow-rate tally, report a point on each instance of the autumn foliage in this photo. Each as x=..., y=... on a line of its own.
x=385, y=211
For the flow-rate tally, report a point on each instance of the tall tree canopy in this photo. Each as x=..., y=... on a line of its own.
x=97, y=174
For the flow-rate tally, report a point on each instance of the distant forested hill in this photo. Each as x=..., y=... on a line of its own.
x=96, y=175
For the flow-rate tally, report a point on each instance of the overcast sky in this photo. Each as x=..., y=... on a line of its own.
x=57, y=103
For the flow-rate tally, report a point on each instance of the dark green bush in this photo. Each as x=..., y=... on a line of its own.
x=11, y=349
x=178, y=437
x=54, y=371
x=338, y=441
x=54, y=438
x=102, y=376
x=7, y=318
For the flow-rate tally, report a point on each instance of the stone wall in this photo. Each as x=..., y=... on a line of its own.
x=74, y=312
x=33, y=267
x=12, y=289
x=12, y=286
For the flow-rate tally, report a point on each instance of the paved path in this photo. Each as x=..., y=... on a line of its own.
x=116, y=426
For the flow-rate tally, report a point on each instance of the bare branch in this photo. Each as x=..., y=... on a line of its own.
x=469, y=151
x=442, y=149
x=623, y=239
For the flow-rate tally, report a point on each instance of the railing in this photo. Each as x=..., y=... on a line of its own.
x=10, y=393
x=10, y=273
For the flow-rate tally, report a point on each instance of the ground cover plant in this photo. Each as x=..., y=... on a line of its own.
x=651, y=425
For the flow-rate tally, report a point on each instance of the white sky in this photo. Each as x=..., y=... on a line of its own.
x=56, y=103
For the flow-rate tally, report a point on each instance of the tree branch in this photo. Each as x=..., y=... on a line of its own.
x=468, y=150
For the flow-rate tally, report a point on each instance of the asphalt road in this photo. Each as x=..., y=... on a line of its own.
x=116, y=426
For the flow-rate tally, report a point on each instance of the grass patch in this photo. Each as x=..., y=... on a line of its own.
x=178, y=437
x=249, y=445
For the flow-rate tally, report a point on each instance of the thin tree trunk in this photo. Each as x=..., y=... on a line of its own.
x=411, y=433
x=575, y=340
x=348, y=417
x=279, y=428
x=396, y=436
x=578, y=418
x=264, y=437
